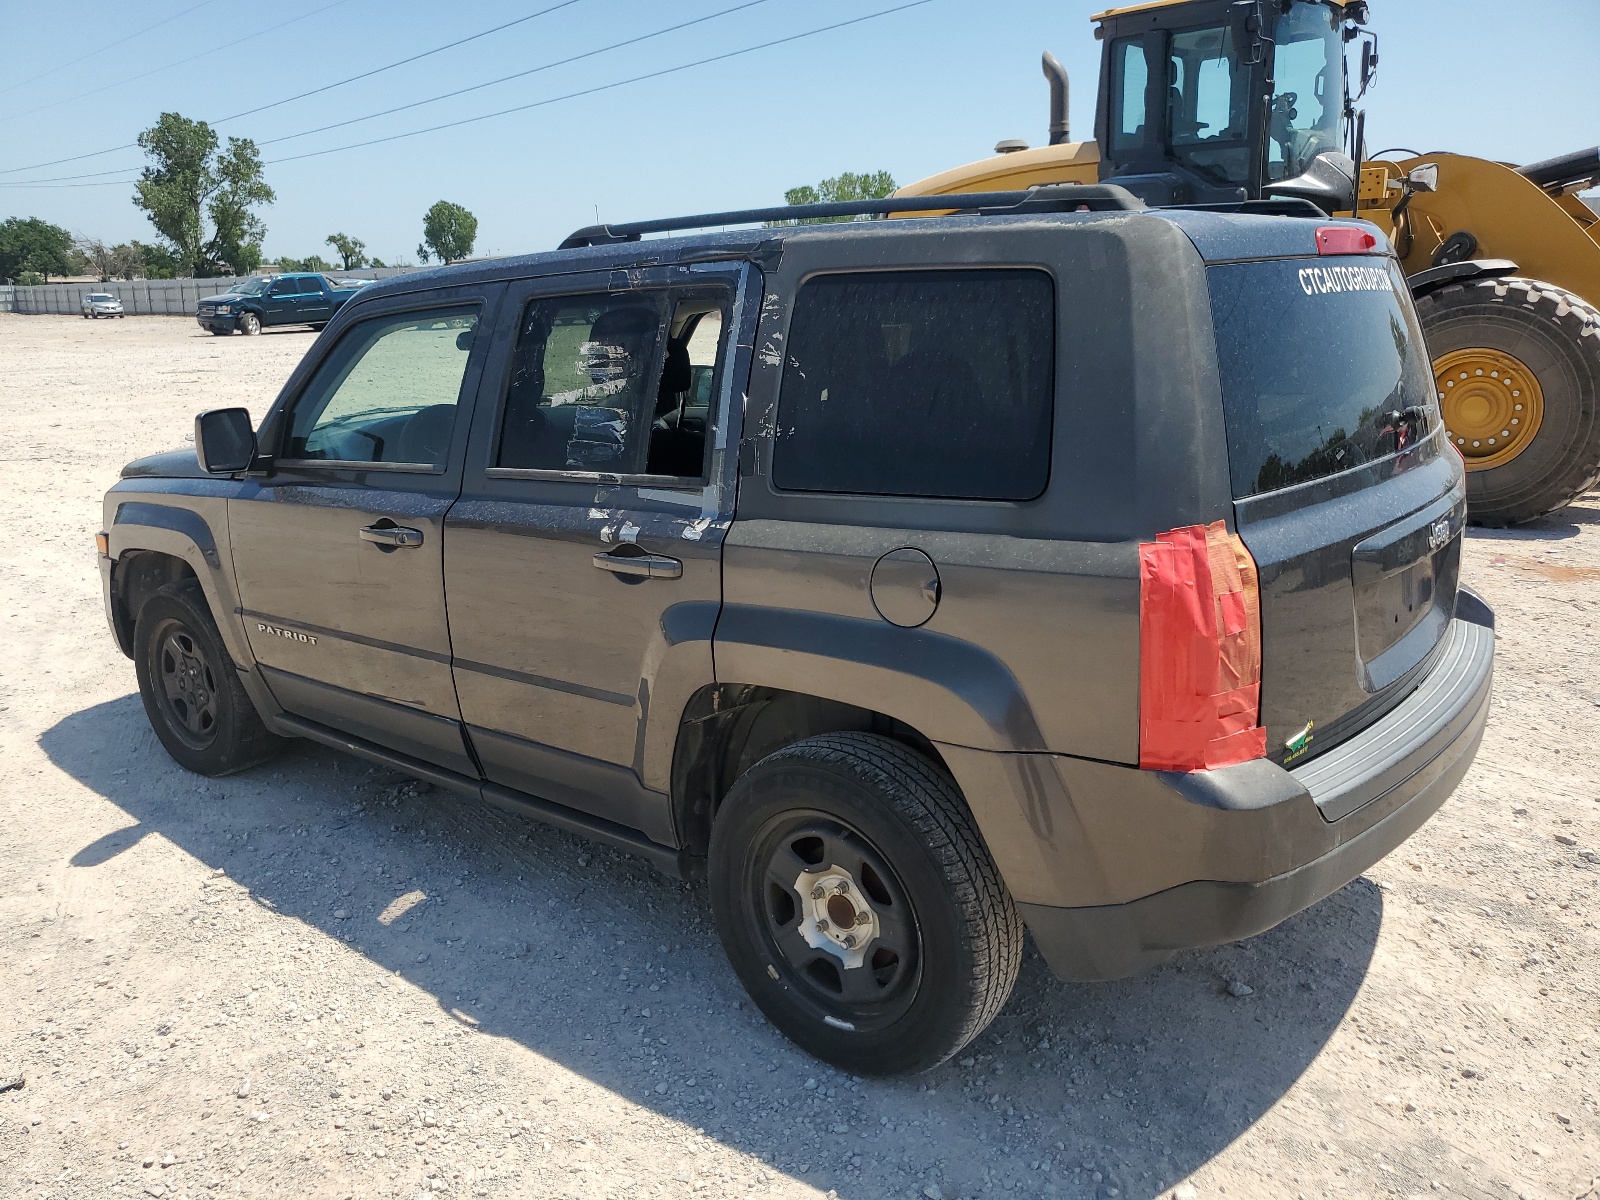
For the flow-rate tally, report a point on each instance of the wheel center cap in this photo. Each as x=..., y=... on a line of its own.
x=834, y=914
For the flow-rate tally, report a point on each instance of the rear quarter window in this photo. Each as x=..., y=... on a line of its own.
x=1323, y=368
x=919, y=383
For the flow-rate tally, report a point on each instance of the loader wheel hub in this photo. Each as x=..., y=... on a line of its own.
x=1491, y=402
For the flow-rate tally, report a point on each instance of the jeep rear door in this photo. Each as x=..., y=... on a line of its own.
x=582, y=562
x=1350, y=499
x=338, y=550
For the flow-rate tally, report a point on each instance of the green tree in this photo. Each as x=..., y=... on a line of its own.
x=156, y=262
x=874, y=185
x=376, y=262
x=126, y=261
x=188, y=180
x=313, y=263
x=448, y=232
x=34, y=247
x=351, y=250
x=236, y=241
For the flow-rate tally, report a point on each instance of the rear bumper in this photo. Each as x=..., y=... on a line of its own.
x=1233, y=852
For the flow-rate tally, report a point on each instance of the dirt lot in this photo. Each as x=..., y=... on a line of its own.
x=311, y=980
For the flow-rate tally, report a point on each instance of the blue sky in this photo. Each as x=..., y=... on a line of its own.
x=913, y=92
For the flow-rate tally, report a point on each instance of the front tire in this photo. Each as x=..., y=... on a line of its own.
x=859, y=906
x=1517, y=366
x=191, y=689
x=249, y=324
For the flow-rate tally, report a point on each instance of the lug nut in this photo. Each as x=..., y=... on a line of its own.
x=822, y=927
x=849, y=941
x=817, y=893
x=843, y=887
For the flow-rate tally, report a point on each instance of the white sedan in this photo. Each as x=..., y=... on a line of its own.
x=101, y=304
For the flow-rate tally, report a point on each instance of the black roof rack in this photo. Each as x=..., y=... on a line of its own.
x=1060, y=197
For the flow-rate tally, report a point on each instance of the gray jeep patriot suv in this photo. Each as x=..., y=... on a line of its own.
x=1056, y=563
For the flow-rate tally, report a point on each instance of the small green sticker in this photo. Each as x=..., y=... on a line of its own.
x=1298, y=744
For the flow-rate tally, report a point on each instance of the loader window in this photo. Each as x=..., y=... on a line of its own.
x=1208, y=95
x=1132, y=75
x=1308, y=95
x=919, y=383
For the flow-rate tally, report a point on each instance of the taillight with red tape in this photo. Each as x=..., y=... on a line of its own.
x=1199, y=651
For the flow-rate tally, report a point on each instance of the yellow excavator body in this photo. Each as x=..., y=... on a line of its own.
x=1552, y=238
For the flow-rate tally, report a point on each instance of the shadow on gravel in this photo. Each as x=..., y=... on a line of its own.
x=591, y=959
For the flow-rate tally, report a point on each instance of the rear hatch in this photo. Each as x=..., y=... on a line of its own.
x=1346, y=492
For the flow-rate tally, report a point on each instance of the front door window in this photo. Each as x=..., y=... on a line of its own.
x=388, y=393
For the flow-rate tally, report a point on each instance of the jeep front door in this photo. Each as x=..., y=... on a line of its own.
x=582, y=562
x=338, y=550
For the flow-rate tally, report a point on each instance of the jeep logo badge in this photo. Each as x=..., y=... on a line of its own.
x=1438, y=533
x=291, y=634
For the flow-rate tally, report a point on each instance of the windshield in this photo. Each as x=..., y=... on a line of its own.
x=250, y=287
x=100, y=296
x=1308, y=89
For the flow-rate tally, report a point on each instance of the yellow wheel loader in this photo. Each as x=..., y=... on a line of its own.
x=1252, y=104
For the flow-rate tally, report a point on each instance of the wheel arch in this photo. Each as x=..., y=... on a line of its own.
x=165, y=543
x=726, y=728
x=1434, y=278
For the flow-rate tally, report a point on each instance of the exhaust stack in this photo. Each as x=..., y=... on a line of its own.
x=1057, y=75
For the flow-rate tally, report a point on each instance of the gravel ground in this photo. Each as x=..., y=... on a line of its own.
x=319, y=979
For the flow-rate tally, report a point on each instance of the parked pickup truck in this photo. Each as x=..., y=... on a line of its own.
x=264, y=300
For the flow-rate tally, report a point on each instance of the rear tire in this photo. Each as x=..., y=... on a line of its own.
x=249, y=324
x=1555, y=335
x=853, y=821
x=191, y=689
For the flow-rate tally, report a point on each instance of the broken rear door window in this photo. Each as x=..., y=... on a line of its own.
x=583, y=384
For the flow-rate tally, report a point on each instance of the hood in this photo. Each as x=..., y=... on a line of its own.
x=223, y=298
x=173, y=464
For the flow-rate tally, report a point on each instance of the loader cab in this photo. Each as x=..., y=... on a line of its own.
x=1211, y=101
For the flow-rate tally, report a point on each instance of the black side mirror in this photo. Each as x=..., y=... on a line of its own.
x=224, y=442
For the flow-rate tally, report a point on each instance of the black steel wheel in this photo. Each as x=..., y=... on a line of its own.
x=189, y=684
x=191, y=689
x=837, y=917
x=859, y=905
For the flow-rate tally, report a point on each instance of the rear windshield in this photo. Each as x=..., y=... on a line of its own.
x=1323, y=368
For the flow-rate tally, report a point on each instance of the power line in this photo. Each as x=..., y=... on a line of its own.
x=604, y=87
x=314, y=91
x=108, y=46
x=391, y=66
x=415, y=103
x=560, y=62
x=28, y=112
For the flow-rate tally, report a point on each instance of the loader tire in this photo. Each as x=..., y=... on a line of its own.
x=1516, y=365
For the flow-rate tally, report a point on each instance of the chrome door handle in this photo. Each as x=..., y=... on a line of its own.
x=651, y=566
x=392, y=535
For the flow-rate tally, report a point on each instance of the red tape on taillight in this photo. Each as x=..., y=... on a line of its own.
x=1345, y=239
x=1199, y=651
